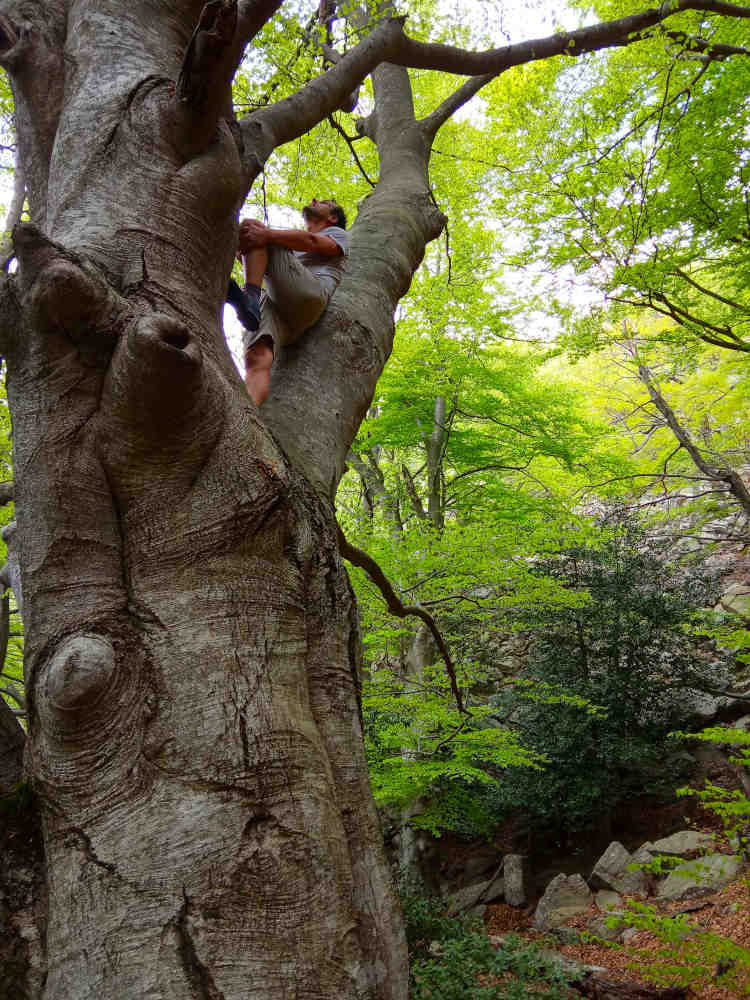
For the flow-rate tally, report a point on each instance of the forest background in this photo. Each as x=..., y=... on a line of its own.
x=551, y=465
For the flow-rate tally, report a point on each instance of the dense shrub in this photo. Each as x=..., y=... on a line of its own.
x=452, y=959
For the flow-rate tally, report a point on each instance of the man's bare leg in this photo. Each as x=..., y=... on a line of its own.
x=258, y=361
x=254, y=263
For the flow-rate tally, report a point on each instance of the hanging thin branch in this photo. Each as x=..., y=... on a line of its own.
x=359, y=558
x=350, y=143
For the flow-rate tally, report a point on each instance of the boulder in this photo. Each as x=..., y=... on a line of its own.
x=566, y=896
x=611, y=872
x=736, y=599
x=644, y=855
x=605, y=899
x=515, y=892
x=475, y=895
x=607, y=927
x=699, y=877
x=682, y=843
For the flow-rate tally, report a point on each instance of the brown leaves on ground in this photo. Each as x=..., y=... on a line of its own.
x=725, y=913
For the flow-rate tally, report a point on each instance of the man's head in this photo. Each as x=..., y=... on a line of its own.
x=319, y=214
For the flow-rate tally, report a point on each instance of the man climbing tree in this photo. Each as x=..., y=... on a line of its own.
x=302, y=269
x=194, y=738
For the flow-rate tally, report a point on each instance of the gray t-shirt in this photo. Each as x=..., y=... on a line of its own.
x=329, y=270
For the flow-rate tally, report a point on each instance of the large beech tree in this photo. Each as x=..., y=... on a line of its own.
x=194, y=736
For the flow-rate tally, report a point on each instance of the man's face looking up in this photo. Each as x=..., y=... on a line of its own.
x=317, y=215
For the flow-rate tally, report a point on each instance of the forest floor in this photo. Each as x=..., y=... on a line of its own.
x=646, y=959
x=690, y=960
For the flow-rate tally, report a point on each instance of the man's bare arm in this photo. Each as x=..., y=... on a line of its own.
x=292, y=239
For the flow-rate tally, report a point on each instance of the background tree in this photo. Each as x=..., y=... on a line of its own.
x=191, y=657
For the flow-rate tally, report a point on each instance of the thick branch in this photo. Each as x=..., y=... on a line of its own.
x=6, y=492
x=606, y=34
x=252, y=15
x=359, y=558
x=204, y=69
x=31, y=50
x=266, y=128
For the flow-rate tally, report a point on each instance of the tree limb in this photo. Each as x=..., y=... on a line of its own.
x=411, y=492
x=359, y=558
x=13, y=217
x=592, y=38
x=433, y=122
x=252, y=15
x=266, y=128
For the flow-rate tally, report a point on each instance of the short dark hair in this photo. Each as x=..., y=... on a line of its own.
x=338, y=211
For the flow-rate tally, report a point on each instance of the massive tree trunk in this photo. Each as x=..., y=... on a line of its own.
x=192, y=654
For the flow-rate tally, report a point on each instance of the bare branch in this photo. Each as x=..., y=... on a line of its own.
x=6, y=492
x=721, y=474
x=457, y=99
x=711, y=50
x=707, y=291
x=411, y=491
x=350, y=143
x=252, y=15
x=359, y=558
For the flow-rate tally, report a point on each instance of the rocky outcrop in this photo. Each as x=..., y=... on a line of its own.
x=606, y=900
x=569, y=896
x=681, y=844
x=474, y=896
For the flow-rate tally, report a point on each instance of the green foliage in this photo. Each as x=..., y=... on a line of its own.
x=731, y=805
x=689, y=956
x=451, y=959
x=421, y=749
x=610, y=175
x=624, y=650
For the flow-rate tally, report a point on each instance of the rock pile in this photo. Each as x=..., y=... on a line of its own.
x=677, y=867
